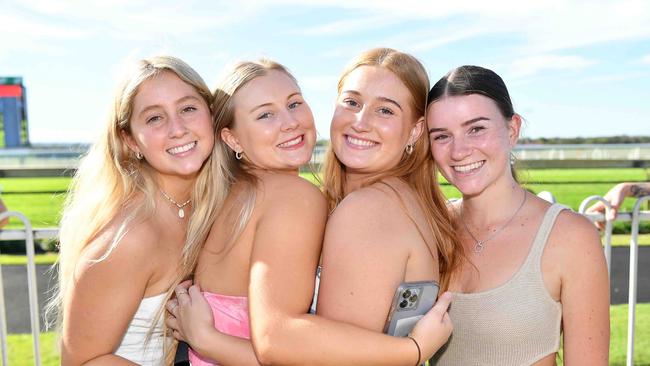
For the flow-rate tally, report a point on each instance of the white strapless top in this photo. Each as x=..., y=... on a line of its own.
x=133, y=346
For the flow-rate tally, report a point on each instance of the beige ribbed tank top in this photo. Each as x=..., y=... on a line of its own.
x=516, y=323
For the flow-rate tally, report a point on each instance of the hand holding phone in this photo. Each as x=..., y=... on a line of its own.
x=411, y=301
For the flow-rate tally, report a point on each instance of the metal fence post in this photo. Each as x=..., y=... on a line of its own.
x=608, y=225
x=634, y=262
x=31, y=288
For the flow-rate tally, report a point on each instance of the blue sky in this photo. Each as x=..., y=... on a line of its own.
x=574, y=68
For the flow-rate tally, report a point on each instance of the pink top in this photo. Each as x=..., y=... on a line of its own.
x=230, y=317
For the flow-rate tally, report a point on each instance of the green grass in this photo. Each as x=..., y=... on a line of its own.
x=583, y=175
x=21, y=260
x=618, y=344
x=49, y=184
x=41, y=199
x=21, y=352
x=20, y=345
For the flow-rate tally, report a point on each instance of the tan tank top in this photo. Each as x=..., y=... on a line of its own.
x=516, y=323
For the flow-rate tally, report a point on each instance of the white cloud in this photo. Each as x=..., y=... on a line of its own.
x=645, y=60
x=532, y=65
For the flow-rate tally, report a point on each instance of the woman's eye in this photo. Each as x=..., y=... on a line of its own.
x=294, y=105
x=189, y=109
x=153, y=119
x=264, y=115
x=440, y=137
x=387, y=111
x=351, y=102
x=476, y=129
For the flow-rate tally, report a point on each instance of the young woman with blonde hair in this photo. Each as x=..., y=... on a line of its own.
x=389, y=222
x=125, y=221
x=258, y=265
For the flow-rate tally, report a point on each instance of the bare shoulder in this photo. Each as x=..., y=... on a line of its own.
x=574, y=237
x=371, y=214
x=124, y=246
x=288, y=189
x=374, y=199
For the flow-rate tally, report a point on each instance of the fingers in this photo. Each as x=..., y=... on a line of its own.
x=172, y=323
x=172, y=307
x=598, y=207
x=182, y=295
x=195, y=292
x=185, y=284
x=611, y=215
x=442, y=305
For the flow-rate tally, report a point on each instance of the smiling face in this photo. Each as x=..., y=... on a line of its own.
x=273, y=125
x=471, y=141
x=170, y=126
x=373, y=121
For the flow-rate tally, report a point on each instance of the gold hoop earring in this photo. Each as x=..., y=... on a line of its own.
x=409, y=149
x=238, y=155
x=138, y=155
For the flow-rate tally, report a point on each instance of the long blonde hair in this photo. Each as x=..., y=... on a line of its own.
x=417, y=169
x=110, y=178
x=224, y=117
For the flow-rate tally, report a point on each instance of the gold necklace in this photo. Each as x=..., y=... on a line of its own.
x=181, y=211
x=479, y=244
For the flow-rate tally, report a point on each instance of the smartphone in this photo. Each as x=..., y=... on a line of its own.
x=411, y=301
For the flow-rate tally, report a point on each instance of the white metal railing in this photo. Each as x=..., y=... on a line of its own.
x=28, y=234
x=636, y=216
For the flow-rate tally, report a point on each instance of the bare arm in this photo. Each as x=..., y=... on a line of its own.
x=616, y=195
x=584, y=294
x=100, y=304
x=285, y=255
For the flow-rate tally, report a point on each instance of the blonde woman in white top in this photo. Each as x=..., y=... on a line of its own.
x=126, y=219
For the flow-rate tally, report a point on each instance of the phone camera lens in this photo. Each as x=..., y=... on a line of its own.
x=406, y=294
x=403, y=304
x=414, y=298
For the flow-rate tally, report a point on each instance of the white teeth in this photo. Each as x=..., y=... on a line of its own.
x=181, y=149
x=293, y=142
x=469, y=167
x=359, y=142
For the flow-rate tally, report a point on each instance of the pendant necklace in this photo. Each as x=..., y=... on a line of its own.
x=181, y=211
x=480, y=244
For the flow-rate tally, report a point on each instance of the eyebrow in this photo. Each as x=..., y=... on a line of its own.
x=268, y=104
x=179, y=101
x=383, y=99
x=466, y=123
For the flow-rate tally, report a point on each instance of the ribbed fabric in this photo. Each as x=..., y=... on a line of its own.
x=516, y=323
x=133, y=346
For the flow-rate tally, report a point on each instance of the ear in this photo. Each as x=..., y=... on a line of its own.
x=514, y=128
x=130, y=141
x=416, y=131
x=231, y=140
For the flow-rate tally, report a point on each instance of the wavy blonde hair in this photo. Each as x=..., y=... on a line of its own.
x=110, y=178
x=224, y=117
x=417, y=169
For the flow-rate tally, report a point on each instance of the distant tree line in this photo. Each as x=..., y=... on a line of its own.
x=622, y=139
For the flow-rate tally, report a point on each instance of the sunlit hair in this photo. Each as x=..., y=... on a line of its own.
x=469, y=79
x=110, y=180
x=224, y=117
x=416, y=169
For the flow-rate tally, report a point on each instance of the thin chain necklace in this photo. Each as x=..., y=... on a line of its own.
x=181, y=211
x=479, y=244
